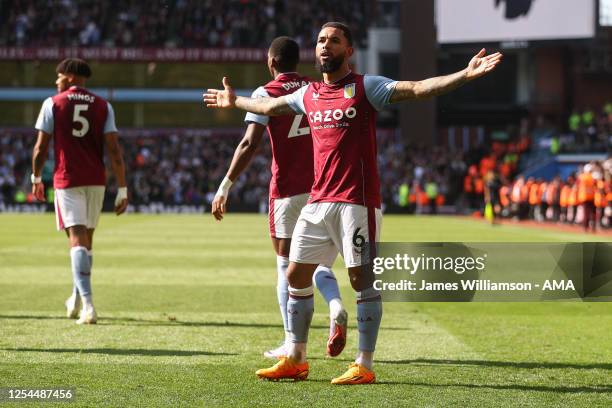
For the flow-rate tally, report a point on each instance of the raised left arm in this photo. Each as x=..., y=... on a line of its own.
x=479, y=65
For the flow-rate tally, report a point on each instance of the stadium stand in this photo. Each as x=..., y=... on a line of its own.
x=168, y=167
x=177, y=24
x=183, y=167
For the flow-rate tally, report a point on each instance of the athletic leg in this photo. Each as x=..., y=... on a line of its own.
x=281, y=247
x=326, y=283
x=90, y=233
x=300, y=309
x=309, y=247
x=359, y=232
x=281, y=221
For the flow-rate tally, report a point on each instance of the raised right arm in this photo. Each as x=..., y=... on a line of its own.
x=226, y=98
x=265, y=106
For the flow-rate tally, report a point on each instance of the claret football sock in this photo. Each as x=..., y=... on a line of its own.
x=369, y=314
x=282, y=291
x=81, y=270
x=300, y=309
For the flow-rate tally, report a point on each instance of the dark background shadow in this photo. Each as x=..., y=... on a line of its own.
x=124, y=352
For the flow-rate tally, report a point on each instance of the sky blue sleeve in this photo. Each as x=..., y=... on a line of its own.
x=253, y=117
x=296, y=100
x=378, y=90
x=110, y=126
x=45, y=117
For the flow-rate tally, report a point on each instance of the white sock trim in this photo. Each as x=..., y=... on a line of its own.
x=322, y=269
x=77, y=248
x=309, y=291
x=87, y=301
x=297, y=351
x=335, y=307
x=282, y=261
x=365, y=358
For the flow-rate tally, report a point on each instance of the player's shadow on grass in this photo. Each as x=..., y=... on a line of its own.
x=602, y=389
x=32, y=317
x=509, y=364
x=126, y=321
x=124, y=352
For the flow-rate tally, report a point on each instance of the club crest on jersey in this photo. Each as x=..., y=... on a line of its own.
x=315, y=96
x=349, y=91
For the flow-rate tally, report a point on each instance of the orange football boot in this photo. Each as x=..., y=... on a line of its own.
x=356, y=374
x=285, y=368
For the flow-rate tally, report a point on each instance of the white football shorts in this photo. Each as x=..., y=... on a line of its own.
x=324, y=229
x=78, y=206
x=283, y=213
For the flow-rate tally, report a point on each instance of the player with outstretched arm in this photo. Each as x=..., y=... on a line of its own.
x=344, y=206
x=292, y=177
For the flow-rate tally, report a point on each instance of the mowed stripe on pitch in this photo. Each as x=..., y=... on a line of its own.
x=193, y=338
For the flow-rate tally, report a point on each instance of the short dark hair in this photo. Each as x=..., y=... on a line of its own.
x=341, y=26
x=286, y=53
x=74, y=66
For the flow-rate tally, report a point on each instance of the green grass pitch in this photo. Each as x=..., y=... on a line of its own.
x=188, y=305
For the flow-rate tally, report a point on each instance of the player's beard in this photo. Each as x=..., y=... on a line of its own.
x=331, y=65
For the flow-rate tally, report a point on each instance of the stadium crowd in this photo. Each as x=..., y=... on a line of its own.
x=583, y=198
x=180, y=23
x=586, y=130
x=181, y=168
x=589, y=130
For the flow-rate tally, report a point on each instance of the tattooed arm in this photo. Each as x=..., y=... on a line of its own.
x=478, y=66
x=226, y=98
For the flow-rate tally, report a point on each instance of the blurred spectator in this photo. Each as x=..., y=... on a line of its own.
x=182, y=23
x=180, y=168
x=590, y=130
x=584, y=198
x=176, y=167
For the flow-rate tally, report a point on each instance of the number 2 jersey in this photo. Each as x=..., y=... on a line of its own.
x=78, y=120
x=292, y=161
x=342, y=118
